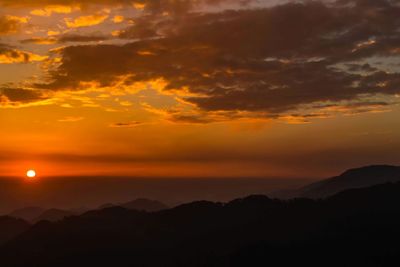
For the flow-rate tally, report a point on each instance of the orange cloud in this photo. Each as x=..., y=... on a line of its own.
x=118, y=19
x=71, y=119
x=11, y=24
x=66, y=38
x=53, y=33
x=139, y=6
x=86, y=21
x=41, y=40
x=49, y=10
x=11, y=56
x=145, y=53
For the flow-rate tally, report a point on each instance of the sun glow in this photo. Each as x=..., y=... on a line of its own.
x=31, y=174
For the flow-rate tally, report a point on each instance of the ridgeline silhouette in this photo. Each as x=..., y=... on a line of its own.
x=28, y=214
x=356, y=227
x=140, y=204
x=353, y=178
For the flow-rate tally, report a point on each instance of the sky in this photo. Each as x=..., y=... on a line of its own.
x=198, y=88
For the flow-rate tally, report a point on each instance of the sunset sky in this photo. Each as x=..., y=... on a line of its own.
x=198, y=88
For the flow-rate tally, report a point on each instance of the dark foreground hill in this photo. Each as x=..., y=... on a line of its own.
x=359, y=227
x=10, y=228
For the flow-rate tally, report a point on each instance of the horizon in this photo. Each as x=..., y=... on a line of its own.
x=92, y=192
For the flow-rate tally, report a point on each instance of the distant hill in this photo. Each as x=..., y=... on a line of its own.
x=353, y=178
x=140, y=204
x=53, y=215
x=143, y=204
x=357, y=227
x=106, y=206
x=27, y=214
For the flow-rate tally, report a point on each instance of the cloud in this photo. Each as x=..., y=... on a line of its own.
x=293, y=55
x=86, y=21
x=40, y=40
x=66, y=38
x=9, y=55
x=82, y=38
x=49, y=10
x=16, y=96
x=71, y=119
x=171, y=7
x=357, y=107
x=11, y=24
x=118, y=19
x=41, y=3
x=143, y=27
x=130, y=124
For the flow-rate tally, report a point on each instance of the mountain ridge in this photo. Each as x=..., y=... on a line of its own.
x=205, y=233
x=352, y=178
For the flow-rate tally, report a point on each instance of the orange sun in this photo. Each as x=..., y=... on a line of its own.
x=31, y=174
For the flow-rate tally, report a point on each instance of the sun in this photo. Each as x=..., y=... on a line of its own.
x=31, y=174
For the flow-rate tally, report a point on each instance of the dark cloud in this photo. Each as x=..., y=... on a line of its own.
x=191, y=119
x=144, y=27
x=130, y=124
x=172, y=7
x=269, y=59
x=19, y=95
x=82, y=38
x=39, y=40
x=178, y=8
x=10, y=55
x=36, y=3
x=67, y=38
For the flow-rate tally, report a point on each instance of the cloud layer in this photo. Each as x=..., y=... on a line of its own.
x=267, y=60
x=272, y=59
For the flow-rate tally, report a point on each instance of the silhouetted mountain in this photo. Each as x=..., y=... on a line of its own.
x=358, y=227
x=106, y=206
x=140, y=204
x=79, y=210
x=10, y=228
x=27, y=214
x=53, y=215
x=144, y=205
x=353, y=178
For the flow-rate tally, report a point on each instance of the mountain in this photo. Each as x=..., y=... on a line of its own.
x=11, y=227
x=106, y=206
x=27, y=214
x=353, y=178
x=143, y=204
x=79, y=210
x=53, y=215
x=140, y=204
x=357, y=227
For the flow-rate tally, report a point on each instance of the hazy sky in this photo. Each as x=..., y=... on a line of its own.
x=198, y=88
